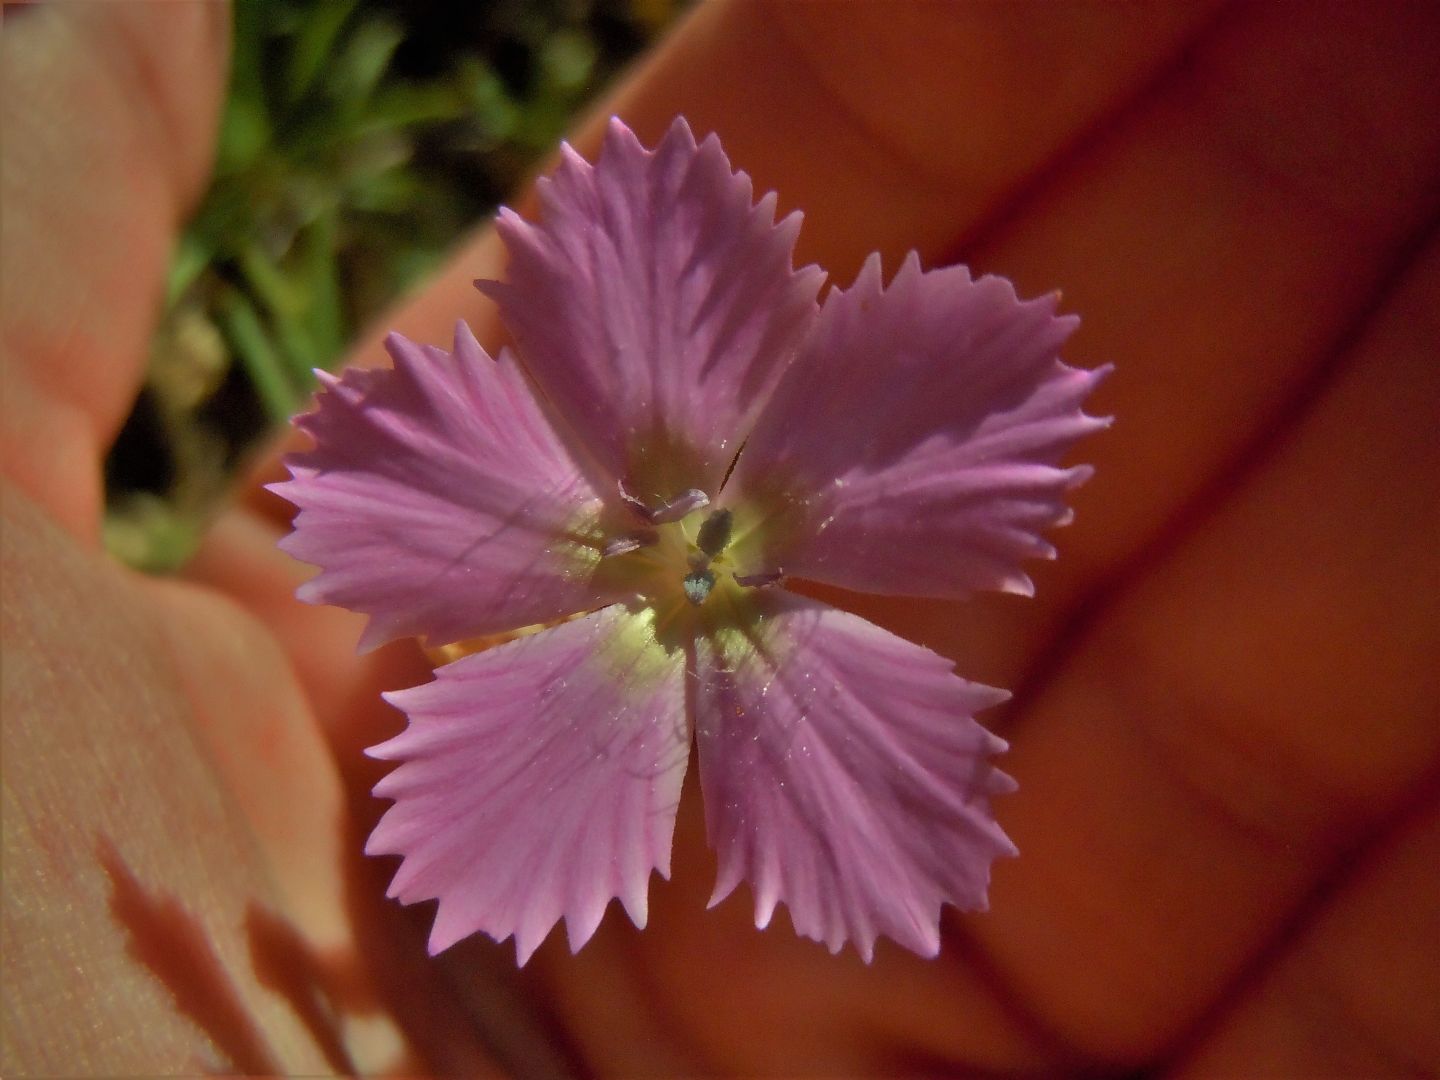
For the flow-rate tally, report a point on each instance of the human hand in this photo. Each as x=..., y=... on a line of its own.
x=1217, y=809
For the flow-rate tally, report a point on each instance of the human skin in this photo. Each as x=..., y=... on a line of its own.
x=1225, y=725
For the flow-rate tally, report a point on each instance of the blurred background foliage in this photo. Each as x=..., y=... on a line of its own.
x=360, y=140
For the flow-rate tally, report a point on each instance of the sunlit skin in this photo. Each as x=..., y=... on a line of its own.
x=1224, y=727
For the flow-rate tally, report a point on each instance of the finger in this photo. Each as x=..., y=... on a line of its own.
x=240, y=556
x=1358, y=993
x=1234, y=725
x=128, y=877
x=109, y=114
x=333, y=937
x=166, y=899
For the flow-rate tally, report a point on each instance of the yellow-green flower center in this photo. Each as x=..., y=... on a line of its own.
x=683, y=562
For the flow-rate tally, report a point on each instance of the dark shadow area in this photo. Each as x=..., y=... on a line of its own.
x=173, y=945
x=313, y=987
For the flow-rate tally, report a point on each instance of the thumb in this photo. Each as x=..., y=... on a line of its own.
x=109, y=113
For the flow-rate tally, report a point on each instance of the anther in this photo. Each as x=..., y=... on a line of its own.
x=620, y=545
x=714, y=533
x=697, y=586
x=667, y=510
x=759, y=581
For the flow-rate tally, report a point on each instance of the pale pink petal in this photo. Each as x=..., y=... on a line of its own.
x=844, y=776
x=655, y=307
x=913, y=447
x=538, y=780
x=439, y=501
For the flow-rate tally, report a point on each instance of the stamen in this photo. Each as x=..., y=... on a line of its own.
x=697, y=586
x=759, y=581
x=667, y=510
x=680, y=506
x=715, y=533
x=619, y=545
x=638, y=506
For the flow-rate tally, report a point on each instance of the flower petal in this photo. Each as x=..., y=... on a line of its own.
x=439, y=501
x=912, y=446
x=539, y=780
x=655, y=306
x=844, y=776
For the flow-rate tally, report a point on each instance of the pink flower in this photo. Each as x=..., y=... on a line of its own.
x=683, y=428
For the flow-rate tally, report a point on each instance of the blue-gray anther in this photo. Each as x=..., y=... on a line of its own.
x=697, y=586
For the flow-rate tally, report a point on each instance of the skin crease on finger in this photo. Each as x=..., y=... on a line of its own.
x=1354, y=995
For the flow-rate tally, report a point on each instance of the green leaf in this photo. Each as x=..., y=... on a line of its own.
x=567, y=59
x=393, y=192
x=245, y=133
x=359, y=65
x=269, y=282
x=314, y=43
x=403, y=104
x=189, y=260
x=245, y=128
x=263, y=363
x=325, y=316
